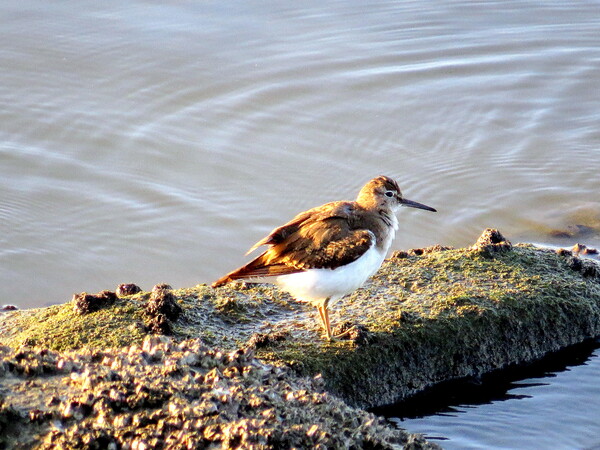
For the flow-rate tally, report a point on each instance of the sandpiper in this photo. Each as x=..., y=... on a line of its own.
x=329, y=251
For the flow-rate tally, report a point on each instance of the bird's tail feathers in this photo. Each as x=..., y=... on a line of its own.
x=256, y=270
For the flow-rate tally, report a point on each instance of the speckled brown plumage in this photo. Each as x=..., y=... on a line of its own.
x=327, y=236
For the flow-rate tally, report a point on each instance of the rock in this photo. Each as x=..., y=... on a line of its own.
x=583, y=250
x=159, y=324
x=260, y=340
x=357, y=333
x=161, y=309
x=126, y=289
x=586, y=267
x=161, y=287
x=573, y=231
x=399, y=254
x=448, y=313
x=214, y=399
x=85, y=303
x=491, y=241
x=163, y=302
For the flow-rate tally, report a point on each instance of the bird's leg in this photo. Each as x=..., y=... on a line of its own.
x=329, y=326
x=328, y=333
x=324, y=313
x=326, y=321
x=320, y=309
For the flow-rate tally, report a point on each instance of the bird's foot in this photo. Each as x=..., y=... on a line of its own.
x=344, y=333
x=354, y=332
x=339, y=336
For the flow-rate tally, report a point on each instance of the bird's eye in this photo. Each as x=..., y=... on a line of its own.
x=389, y=194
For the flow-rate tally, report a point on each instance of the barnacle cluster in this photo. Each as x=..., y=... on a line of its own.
x=165, y=394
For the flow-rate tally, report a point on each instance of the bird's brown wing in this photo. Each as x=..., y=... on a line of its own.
x=324, y=237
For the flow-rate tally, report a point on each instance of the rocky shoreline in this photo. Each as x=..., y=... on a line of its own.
x=165, y=394
x=245, y=365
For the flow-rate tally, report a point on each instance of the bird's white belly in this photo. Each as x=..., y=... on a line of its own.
x=318, y=284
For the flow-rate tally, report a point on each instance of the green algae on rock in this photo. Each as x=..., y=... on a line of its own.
x=427, y=316
x=227, y=318
x=453, y=314
x=60, y=327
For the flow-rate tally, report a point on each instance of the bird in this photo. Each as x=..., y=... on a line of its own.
x=327, y=252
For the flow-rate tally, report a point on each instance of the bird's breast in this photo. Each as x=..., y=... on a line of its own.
x=318, y=284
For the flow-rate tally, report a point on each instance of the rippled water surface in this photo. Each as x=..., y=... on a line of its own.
x=149, y=141
x=157, y=141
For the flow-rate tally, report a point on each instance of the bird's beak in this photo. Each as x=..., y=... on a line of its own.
x=411, y=204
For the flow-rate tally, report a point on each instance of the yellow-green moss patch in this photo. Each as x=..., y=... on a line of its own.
x=451, y=314
x=59, y=327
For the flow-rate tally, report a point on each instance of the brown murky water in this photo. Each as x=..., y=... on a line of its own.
x=150, y=141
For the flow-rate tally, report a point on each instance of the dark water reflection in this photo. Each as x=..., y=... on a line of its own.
x=551, y=403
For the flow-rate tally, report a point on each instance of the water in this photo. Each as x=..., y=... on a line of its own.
x=150, y=141
x=552, y=404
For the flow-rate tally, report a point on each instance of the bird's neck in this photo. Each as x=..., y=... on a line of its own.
x=388, y=217
x=383, y=223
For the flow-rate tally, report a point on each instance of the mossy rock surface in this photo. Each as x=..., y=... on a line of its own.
x=421, y=320
x=59, y=327
x=452, y=314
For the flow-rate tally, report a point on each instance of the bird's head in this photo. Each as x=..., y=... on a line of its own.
x=383, y=192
